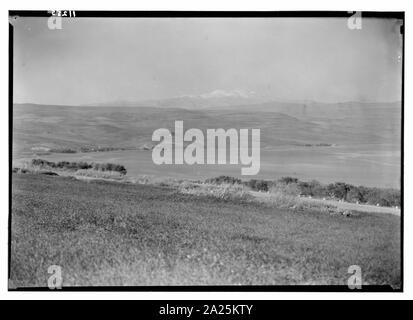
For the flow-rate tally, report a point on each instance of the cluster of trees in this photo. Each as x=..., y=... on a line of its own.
x=79, y=165
x=348, y=192
x=338, y=190
x=62, y=164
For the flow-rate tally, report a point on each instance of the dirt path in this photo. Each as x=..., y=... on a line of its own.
x=341, y=205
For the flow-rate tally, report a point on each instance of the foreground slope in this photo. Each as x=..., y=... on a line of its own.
x=104, y=233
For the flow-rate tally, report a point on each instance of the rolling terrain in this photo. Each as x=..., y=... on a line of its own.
x=123, y=233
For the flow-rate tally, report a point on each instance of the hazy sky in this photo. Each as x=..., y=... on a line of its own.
x=101, y=60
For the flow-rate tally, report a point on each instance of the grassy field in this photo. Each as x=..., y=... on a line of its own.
x=109, y=233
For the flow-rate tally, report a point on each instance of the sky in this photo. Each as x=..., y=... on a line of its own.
x=99, y=60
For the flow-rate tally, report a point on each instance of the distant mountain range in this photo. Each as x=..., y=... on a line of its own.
x=228, y=99
x=214, y=99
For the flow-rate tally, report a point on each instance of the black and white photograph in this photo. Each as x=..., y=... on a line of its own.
x=179, y=151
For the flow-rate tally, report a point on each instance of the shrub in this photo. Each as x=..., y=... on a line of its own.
x=291, y=189
x=63, y=150
x=49, y=173
x=84, y=165
x=91, y=173
x=282, y=200
x=223, y=179
x=338, y=190
x=42, y=163
x=383, y=197
x=234, y=192
x=356, y=194
x=258, y=185
x=109, y=167
x=79, y=165
x=312, y=188
x=288, y=180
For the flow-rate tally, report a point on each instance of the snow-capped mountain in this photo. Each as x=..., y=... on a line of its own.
x=215, y=98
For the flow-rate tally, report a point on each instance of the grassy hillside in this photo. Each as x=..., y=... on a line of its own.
x=104, y=233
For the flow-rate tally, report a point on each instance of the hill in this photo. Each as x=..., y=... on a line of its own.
x=280, y=124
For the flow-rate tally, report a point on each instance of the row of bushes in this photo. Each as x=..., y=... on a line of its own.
x=80, y=165
x=86, y=149
x=109, y=167
x=338, y=190
x=63, y=150
x=101, y=149
x=223, y=180
x=254, y=184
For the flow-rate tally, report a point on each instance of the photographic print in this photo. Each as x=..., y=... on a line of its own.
x=197, y=150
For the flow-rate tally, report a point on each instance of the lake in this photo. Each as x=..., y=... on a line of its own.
x=366, y=165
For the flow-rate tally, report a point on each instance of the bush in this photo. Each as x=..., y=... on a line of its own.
x=109, y=167
x=233, y=192
x=356, y=194
x=91, y=173
x=312, y=188
x=63, y=150
x=79, y=165
x=291, y=189
x=383, y=197
x=42, y=163
x=338, y=190
x=287, y=180
x=223, y=179
x=258, y=185
x=282, y=200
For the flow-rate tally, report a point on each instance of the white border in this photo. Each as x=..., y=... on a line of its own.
x=353, y=5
